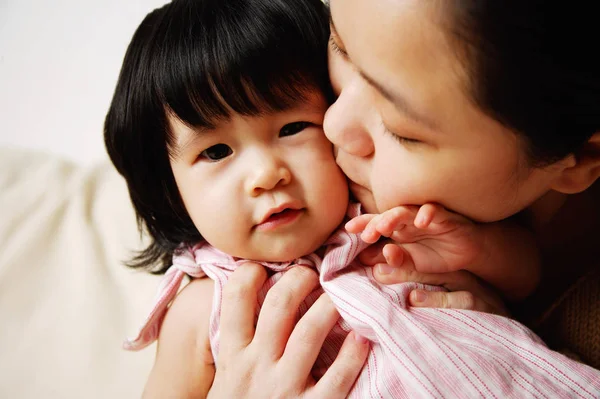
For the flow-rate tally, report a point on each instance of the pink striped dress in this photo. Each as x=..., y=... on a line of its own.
x=415, y=352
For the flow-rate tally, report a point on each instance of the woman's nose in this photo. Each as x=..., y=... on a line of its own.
x=267, y=172
x=346, y=120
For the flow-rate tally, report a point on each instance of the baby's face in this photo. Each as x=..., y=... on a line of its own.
x=265, y=187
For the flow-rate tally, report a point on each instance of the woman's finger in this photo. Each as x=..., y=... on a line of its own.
x=308, y=336
x=385, y=274
x=453, y=300
x=466, y=290
x=398, y=267
x=341, y=375
x=396, y=256
x=239, y=306
x=280, y=308
x=372, y=255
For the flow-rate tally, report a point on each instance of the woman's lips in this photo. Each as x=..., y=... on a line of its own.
x=280, y=219
x=355, y=187
x=364, y=196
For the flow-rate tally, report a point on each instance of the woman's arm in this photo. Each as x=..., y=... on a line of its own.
x=184, y=366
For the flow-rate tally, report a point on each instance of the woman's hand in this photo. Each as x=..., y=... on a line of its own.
x=465, y=290
x=275, y=358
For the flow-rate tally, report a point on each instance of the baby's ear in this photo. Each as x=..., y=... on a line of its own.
x=580, y=171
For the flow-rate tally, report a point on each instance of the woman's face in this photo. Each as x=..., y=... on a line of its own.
x=404, y=126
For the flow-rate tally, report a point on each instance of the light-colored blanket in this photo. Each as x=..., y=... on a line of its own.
x=66, y=301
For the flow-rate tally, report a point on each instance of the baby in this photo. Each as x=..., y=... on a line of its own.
x=216, y=125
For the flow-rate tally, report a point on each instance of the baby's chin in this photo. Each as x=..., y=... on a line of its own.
x=288, y=251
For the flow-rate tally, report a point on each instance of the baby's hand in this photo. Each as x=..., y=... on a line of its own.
x=428, y=238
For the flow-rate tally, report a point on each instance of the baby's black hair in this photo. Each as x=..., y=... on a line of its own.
x=200, y=61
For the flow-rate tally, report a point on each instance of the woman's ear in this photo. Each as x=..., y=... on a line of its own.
x=581, y=171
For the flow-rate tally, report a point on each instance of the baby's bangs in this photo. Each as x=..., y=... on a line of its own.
x=215, y=98
x=263, y=58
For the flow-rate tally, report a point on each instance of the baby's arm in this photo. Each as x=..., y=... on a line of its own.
x=184, y=366
x=433, y=240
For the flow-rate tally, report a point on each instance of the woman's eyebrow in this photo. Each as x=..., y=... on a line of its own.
x=398, y=100
x=400, y=103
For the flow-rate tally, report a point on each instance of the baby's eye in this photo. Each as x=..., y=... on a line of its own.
x=292, y=128
x=216, y=152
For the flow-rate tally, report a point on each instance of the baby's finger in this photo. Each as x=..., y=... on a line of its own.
x=239, y=306
x=426, y=215
x=394, y=220
x=341, y=375
x=278, y=313
x=436, y=213
x=398, y=216
x=358, y=224
x=370, y=233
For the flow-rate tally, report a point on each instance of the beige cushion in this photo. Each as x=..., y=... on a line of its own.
x=66, y=300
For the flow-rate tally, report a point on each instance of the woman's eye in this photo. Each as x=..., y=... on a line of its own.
x=337, y=49
x=405, y=140
x=292, y=128
x=216, y=152
x=401, y=139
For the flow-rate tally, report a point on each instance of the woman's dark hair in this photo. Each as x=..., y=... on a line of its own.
x=533, y=66
x=199, y=61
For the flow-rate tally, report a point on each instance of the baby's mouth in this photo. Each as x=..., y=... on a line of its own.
x=281, y=218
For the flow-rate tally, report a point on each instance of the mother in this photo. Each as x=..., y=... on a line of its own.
x=489, y=108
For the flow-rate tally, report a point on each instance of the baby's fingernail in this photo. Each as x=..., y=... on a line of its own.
x=385, y=269
x=418, y=296
x=360, y=339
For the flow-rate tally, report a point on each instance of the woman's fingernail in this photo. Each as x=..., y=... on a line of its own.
x=385, y=269
x=418, y=296
x=360, y=339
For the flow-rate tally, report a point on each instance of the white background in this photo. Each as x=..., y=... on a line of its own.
x=59, y=61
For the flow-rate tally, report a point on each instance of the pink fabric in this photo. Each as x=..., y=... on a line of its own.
x=415, y=353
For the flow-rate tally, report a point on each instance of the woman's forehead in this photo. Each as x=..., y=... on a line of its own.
x=400, y=48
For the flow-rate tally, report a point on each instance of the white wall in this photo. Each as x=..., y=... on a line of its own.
x=59, y=61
